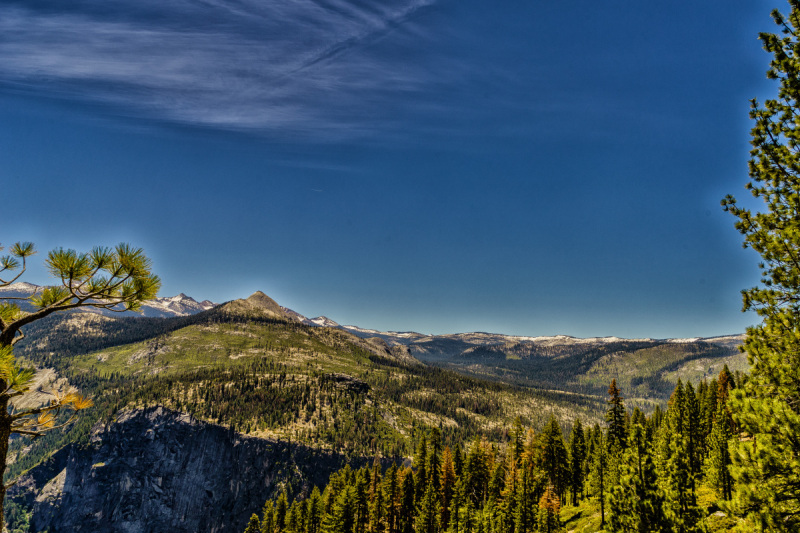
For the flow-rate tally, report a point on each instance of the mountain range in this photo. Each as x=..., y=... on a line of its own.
x=183, y=305
x=218, y=409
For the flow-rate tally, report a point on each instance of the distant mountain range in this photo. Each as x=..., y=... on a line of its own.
x=171, y=306
x=433, y=345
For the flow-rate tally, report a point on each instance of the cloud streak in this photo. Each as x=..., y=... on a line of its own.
x=298, y=66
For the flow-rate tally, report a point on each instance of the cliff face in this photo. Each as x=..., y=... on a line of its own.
x=157, y=470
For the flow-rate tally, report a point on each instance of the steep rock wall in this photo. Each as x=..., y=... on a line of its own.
x=156, y=470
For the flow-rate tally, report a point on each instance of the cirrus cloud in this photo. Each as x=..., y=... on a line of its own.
x=303, y=66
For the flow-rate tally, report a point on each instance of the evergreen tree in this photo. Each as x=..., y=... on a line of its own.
x=314, y=512
x=674, y=469
x=448, y=481
x=476, y=474
x=636, y=504
x=525, y=517
x=615, y=416
x=719, y=460
x=114, y=279
x=458, y=461
x=427, y=520
x=496, y=483
x=293, y=518
x=707, y=395
x=281, y=510
x=553, y=459
x=518, y=446
x=268, y=517
x=254, y=525
x=407, y=512
x=695, y=440
x=456, y=523
x=391, y=498
x=377, y=509
x=509, y=497
x=361, y=501
x=767, y=462
x=577, y=457
x=549, y=520
x=421, y=463
x=341, y=518
x=598, y=474
x=433, y=462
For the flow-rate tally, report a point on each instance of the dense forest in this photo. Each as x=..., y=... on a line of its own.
x=662, y=472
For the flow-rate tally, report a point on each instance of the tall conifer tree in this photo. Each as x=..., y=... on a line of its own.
x=767, y=461
x=636, y=503
x=718, y=463
x=615, y=416
x=577, y=458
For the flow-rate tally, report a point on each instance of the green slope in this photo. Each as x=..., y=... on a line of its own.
x=258, y=374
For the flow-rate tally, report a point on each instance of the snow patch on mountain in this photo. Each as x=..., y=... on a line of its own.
x=324, y=322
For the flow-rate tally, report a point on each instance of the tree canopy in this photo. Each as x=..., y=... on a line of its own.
x=116, y=279
x=766, y=458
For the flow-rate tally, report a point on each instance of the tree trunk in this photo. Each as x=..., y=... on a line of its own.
x=5, y=434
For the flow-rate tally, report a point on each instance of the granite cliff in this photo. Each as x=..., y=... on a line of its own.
x=157, y=470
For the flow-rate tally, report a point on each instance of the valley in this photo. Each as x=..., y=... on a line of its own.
x=263, y=374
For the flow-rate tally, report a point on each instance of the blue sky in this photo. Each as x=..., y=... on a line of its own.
x=438, y=166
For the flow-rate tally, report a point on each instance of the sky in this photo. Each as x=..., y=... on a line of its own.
x=440, y=166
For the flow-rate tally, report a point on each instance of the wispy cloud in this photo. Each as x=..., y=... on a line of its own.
x=304, y=66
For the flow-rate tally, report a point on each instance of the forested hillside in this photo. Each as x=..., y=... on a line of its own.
x=662, y=472
x=274, y=378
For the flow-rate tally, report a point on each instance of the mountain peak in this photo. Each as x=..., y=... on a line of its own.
x=20, y=286
x=257, y=303
x=259, y=299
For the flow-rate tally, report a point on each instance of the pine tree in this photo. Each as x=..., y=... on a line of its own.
x=695, y=441
x=675, y=474
x=553, y=459
x=268, y=517
x=281, y=509
x=518, y=436
x=707, y=394
x=719, y=460
x=391, y=498
x=427, y=520
x=636, y=504
x=433, y=462
x=476, y=474
x=549, y=520
x=377, y=508
x=458, y=461
x=115, y=279
x=314, y=512
x=294, y=518
x=577, y=456
x=456, y=523
x=341, y=518
x=254, y=525
x=361, y=501
x=448, y=481
x=421, y=475
x=509, y=497
x=615, y=416
x=407, y=512
x=525, y=517
x=766, y=462
x=597, y=475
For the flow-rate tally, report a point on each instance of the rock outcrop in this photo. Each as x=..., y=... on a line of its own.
x=157, y=470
